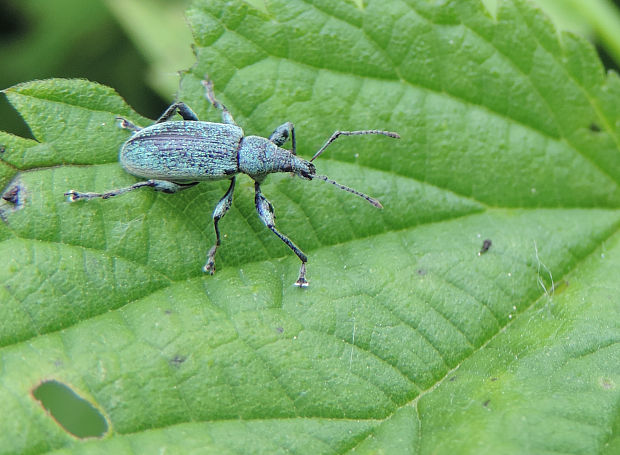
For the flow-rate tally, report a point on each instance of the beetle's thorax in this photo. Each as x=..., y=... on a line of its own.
x=259, y=156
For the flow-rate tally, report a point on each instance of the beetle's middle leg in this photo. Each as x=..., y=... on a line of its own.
x=218, y=213
x=158, y=185
x=265, y=213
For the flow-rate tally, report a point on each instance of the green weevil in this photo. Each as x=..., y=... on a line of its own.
x=176, y=155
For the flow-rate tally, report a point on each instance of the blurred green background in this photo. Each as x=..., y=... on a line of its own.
x=134, y=46
x=138, y=46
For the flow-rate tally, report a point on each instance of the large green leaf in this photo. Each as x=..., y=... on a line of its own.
x=407, y=340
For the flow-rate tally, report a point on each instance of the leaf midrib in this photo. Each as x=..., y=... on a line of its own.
x=171, y=282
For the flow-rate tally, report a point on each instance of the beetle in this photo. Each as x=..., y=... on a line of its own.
x=176, y=155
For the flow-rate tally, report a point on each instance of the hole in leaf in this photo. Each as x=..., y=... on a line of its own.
x=72, y=412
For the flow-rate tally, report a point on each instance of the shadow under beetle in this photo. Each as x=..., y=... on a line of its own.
x=176, y=155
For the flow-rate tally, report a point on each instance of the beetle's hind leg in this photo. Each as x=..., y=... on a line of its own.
x=265, y=213
x=218, y=213
x=158, y=185
x=226, y=115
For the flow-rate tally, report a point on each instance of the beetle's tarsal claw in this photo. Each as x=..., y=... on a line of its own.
x=72, y=196
x=126, y=124
x=301, y=281
x=209, y=267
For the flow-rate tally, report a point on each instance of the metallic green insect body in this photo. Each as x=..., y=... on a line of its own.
x=175, y=155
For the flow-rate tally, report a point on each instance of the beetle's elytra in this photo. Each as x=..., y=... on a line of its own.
x=175, y=155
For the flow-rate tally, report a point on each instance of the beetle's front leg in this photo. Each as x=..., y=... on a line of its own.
x=158, y=185
x=218, y=213
x=281, y=134
x=265, y=213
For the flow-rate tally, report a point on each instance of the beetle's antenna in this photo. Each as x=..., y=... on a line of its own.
x=372, y=200
x=337, y=134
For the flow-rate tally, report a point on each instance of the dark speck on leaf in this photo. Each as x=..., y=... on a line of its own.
x=486, y=403
x=280, y=329
x=12, y=194
x=177, y=360
x=485, y=246
x=595, y=128
x=421, y=272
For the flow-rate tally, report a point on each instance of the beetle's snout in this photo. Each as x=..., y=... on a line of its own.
x=306, y=170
